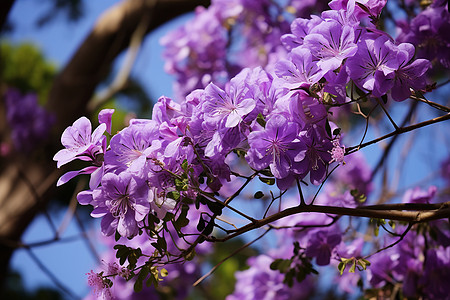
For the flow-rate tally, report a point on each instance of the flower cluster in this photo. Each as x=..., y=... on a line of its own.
x=160, y=175
x=29, y=122
x=176, y=284
x=429, y=30
x=227, y=37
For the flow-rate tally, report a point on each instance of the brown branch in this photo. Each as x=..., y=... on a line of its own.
x=75, y=85
x=430, y=103
x=121, y=79
x=68, y=99
x=376, y=212
x=389, y=147
x=5, y=7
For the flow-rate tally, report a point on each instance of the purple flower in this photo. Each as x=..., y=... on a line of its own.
x=122, y=201
x=306, y=110
x=228, y=108
x=436, y=273
x=300, y=28
x=363, y=8
x=331, y=43
x=274, y=146
x=29, y=122
x=79, y=142
x=429, y=30
x=321, y=245
x=354, y=175
x=83, y=144
x=410, y=74
x=336, y=86
x=196, y=52
x=373, y=66
x=128, y=147
x=417, y=195
x=299, y=71
x=315, y=158
x=105, y=116
x=260, y=282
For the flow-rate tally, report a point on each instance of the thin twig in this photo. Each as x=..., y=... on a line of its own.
x=228, y=257
x=430, y=103
x=367, y=124
x=383, y=157
x=387, y=114
x=399, y=131
x=86, y=237
x=55, y=279
x=302, y=199
x=37, y=199
x=68, y=216
x=393, y=244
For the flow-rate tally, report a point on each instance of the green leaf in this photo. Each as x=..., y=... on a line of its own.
x=175, y=195
x=190, y=255
x=281, y=265
x=261, y=120
x=353, y=267
x=143, y=273
x=258, y=195
x=268, y=181
x=162, y=243
x=168, y=217
x=182, y=221
x=392, y=224
x=185, y=165
x=341, y=267
x=215, y=207
x=363, y=263
x=266, y=172
x=164, y=272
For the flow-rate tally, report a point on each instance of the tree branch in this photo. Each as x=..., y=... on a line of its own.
x=376, y=212
x=75, y=85
x=399, y=131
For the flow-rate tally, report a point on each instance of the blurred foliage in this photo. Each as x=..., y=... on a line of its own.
x=222, y=282
x=24, y=67
x=134, y=91
x=15, y=290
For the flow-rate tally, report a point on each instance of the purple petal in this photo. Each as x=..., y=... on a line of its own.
x=105, y=117
x=85, y=197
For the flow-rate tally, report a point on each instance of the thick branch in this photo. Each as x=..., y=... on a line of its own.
x=21, y=200
x=111, y=35
x=391, y=212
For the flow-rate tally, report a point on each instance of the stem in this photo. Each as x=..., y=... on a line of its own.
x=431, y=103
x=387, y=114
x=393, y=244
x=228, y=257
x=394, y=139
x=399, y=131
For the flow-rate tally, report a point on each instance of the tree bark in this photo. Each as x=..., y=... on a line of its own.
x=5, y=7
x=27, y=183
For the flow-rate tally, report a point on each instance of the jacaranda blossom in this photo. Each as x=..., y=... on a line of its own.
x=122, y=201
